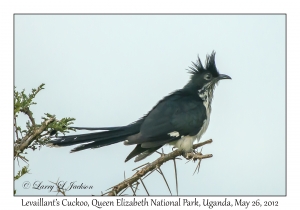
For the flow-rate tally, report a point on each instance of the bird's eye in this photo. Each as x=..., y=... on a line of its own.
x=207, y=76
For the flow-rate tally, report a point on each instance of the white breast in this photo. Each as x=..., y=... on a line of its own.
x=185, y=143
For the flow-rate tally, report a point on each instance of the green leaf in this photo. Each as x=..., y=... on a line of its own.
x=22, y=172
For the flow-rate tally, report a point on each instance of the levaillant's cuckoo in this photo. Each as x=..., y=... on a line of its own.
x=178, y=119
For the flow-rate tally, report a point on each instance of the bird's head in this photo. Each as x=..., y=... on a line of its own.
x=205, y=77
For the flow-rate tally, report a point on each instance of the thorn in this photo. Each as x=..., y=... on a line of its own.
x=161, y=153
x=140, y=166
x=187, y=161
x=148, y=174
x=123, y=191
x=109, y=188
x=160, y=171
x=176, y=176
x=136, y=188
x=145, y=187
x=131, y=189
x=197, y=167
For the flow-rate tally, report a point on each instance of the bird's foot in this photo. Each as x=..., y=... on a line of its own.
x=186, y=155
x=191, y=155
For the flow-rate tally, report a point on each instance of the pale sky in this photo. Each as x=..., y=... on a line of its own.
x=110, y=70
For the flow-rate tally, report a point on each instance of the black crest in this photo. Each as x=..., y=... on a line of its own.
x=210, y=65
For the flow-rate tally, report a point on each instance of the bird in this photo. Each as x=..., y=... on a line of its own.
x=178, y=119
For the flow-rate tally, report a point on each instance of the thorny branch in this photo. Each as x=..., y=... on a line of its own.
x=29, y=114
x=149, y=168
x=36, y=134
x=30, y=137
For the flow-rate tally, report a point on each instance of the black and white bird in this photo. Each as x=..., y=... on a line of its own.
x=178, y=119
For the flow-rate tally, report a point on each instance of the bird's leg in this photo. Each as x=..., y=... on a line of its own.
x=190, y=155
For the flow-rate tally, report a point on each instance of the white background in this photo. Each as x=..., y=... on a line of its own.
x=166, y=64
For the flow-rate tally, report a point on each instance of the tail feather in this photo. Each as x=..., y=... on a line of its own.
x=107, y=136
x=84, y=138
x=96, y=128
x=146, y=153
x=97, y=144
x=141, y=152
x=94, y=140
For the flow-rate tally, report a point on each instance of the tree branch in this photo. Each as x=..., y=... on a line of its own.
x=16, y=127
x=156, y=164
x=29, y=114
x=31, y=136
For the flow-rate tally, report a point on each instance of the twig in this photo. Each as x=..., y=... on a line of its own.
x=29, y=114
x=23, y=158
x=197, y=156
x=195, y=146
x=16, y=127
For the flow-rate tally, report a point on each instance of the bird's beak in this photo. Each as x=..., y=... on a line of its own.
x=223, y=76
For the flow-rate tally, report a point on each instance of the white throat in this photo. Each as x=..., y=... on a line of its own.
x=185, y=143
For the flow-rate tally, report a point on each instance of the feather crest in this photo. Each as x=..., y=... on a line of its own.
x=210, y=65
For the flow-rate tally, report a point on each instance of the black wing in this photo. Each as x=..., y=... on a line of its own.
x=181, y=113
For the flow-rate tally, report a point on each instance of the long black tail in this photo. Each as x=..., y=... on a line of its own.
x=112, y=135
